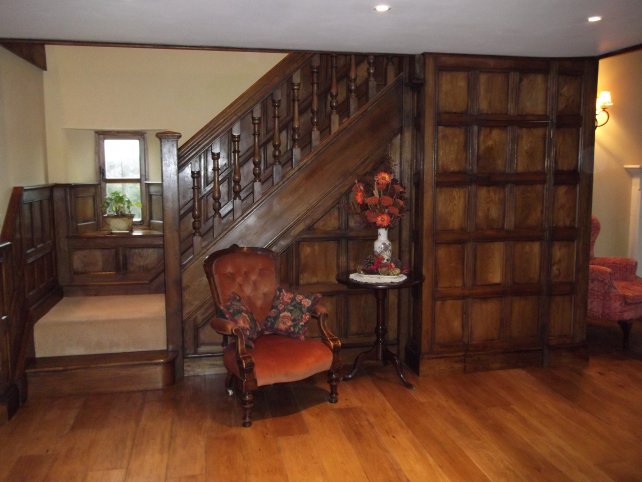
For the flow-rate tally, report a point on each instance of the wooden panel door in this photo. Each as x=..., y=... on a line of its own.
x=505, y=230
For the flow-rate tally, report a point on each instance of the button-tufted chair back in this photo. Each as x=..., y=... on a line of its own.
x=250, y=272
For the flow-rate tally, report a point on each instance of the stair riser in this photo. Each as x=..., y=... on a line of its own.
x=79, y=381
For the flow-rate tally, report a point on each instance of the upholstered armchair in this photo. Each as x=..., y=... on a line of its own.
x=615, y=292
x=245, y=288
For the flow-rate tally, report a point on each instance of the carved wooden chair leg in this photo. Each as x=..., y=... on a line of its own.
x=333, y=381
x=626, y=331
x=247, y=403
x=229, y=384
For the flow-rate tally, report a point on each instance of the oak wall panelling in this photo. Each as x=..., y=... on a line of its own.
x=507, y=188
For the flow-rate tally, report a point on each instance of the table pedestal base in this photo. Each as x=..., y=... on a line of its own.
x=382, y=354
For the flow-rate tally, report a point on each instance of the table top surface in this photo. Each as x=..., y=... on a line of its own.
x=411, y=280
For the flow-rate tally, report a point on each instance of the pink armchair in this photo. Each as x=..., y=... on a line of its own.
x=615, y=292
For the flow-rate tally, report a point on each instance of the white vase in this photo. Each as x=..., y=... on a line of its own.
x=382, y=245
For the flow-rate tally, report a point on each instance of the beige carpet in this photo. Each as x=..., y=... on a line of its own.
x=102, y=324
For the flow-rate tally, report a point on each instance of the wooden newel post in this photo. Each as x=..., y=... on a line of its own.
x=172, y=248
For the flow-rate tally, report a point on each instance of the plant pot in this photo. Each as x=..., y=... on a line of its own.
x=115, y=224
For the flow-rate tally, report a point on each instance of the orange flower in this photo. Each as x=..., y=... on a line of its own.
x=358, y=192
x=382, y=179
x=382, y=220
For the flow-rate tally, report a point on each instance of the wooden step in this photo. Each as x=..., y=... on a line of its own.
x=84, y=325
x=102, y=373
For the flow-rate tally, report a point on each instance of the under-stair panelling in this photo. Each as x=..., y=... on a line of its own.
x=102, y=324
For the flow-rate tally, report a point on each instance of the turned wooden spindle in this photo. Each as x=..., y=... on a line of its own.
x=256, y=152
x=236, y=166
x=391, y=71
x=372, y=83
x=296, y=124
x=352, y=85
x=196, y=196
x=334, y=93
x=314, y=108
x=216, y=182
x=276, y=137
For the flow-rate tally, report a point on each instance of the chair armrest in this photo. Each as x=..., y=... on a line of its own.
x=229, y=328
x=600, y=286
x=600, y=278
x=623, y=268
x=222, y=326
x=329, y=339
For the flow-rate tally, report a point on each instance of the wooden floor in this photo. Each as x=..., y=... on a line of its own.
x=540, y=424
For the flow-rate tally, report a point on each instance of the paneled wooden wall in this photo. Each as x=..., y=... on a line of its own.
x=507, y=186
x=93, y=262
x=337, y=242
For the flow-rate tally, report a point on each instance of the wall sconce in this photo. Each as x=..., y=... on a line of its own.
x=602, y=104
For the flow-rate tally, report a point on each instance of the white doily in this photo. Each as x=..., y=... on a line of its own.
x=377, y=278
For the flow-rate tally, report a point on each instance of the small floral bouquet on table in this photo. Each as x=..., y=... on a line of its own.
x=376, y=264
x=380, y=204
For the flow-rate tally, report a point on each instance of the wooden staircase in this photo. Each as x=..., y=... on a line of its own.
x=271, y=165
x=266, y=168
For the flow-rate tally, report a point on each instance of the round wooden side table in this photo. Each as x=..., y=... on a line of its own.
x=379, y=351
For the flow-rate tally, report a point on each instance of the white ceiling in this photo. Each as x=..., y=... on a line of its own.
x=552, y=28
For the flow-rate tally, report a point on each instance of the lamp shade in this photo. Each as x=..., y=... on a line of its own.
x=604, y=100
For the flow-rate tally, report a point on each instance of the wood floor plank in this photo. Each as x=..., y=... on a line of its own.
x=151, y=445
x=30, y=468
x=395, y=435
x=302, y=458
x=536, y=424
x=225, y=457
x=186, y=456
x=113, y=443
x=117, y=475
x=437, y=440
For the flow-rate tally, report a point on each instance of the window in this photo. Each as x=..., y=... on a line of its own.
x=122, y=166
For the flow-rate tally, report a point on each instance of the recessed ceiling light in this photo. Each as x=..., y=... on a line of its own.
x=595, y=18
x=382, y=8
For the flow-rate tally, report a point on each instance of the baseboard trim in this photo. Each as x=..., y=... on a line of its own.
x=104, y=373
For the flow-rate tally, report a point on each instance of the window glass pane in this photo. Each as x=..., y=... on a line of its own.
x=132, y=191
x=122, y=158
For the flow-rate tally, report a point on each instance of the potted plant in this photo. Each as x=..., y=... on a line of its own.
x=117, y=210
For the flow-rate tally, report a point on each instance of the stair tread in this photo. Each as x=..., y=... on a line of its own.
x=70, y=362
x=105, y=308
x=83, y=325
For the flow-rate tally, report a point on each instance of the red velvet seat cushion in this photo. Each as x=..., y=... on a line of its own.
x=280, y=359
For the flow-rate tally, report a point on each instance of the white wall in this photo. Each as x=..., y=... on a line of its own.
x=110, y=88
x=22, y=128
x=618, y=143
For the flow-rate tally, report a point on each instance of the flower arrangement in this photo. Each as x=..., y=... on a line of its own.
x=382, y=203
x=377, y=264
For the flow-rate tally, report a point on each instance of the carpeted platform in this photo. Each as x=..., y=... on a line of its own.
x=102, y=324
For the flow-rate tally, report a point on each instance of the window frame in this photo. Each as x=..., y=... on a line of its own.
x=101, y=137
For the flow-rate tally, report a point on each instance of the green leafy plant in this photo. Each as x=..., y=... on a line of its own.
x=118, y=204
